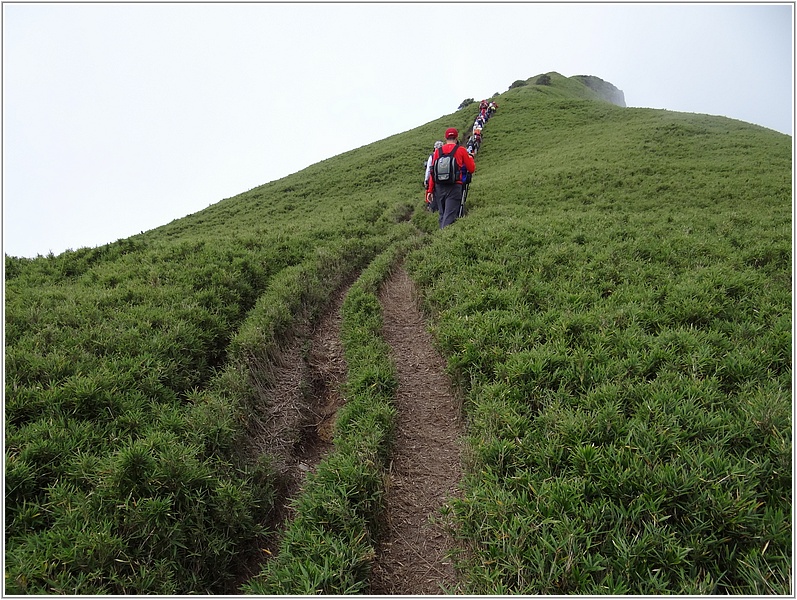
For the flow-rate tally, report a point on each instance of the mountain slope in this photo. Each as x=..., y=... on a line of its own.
x=615, y=307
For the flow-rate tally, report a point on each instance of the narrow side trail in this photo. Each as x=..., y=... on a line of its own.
x=302, y=402
x=425, y=468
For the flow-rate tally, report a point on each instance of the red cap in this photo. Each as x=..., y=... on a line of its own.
x=452, y=133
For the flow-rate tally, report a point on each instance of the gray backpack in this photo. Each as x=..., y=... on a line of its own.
x=445, y=169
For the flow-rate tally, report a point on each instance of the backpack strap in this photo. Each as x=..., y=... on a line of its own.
x=452, y=153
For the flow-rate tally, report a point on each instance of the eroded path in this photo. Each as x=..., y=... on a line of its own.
x=300, y=404
x=425, y=468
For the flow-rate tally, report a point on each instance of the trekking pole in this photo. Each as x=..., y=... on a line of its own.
x=464, y=195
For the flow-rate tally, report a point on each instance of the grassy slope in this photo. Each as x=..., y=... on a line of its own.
x=123, y=359
x=616, y=307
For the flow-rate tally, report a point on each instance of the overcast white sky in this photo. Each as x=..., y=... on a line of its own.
x=119, y=118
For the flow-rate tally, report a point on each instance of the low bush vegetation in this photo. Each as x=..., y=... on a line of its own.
x=132, y=373
x=619, y=313
x=125, y=471
x=615, y=307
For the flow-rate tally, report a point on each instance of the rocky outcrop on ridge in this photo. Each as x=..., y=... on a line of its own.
x=603, y=88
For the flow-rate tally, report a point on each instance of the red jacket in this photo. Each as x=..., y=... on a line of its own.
x=462, y=157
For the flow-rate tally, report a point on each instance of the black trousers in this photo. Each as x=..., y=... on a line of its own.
x=449, y=200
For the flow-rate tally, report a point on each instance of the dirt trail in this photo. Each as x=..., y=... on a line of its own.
x=303, y=400
x=425, y=468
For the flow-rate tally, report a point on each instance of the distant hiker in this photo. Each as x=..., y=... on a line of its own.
x=437, y=144
x=430, y=203
x=473, y=144
x=452, y=166
x=483, y=105
x=491, y=108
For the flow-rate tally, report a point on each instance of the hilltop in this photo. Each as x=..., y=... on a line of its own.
x=579, y=86
x=613, y=311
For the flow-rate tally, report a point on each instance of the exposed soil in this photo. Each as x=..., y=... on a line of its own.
x=425, y=469
x=327, y=373
x=302, y=395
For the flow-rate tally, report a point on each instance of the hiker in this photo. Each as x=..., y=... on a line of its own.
x=430, y=203
x=437, y=144
x=477, y=140
x=449, y=195
x=473, y=145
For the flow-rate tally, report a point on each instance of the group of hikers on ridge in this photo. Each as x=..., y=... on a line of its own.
x=450, y=168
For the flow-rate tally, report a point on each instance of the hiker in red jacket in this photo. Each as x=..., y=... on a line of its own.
x=448, y=196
